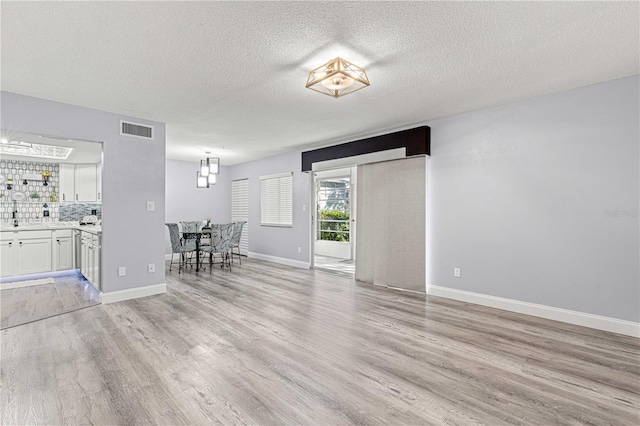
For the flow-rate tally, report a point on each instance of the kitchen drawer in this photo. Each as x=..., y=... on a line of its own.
x=33, y=235
x=61, y=233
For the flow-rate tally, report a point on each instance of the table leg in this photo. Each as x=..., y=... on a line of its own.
x=197, y=254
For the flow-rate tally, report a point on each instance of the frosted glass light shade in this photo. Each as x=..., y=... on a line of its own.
x=201, y=181
x=214, y=165
x=204, y=167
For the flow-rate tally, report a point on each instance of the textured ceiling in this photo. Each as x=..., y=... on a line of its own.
x=229, y=77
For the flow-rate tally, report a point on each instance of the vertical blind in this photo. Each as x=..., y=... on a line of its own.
x=391, y=225
x=276, y=194
x=240, y=210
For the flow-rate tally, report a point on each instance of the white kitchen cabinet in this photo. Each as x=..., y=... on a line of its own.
x=34, y=252
x=62, y=250
x=85, y=183
x=7, y=256
x=97, y=263
x=67, y=182
x=90, y=258
x=81, y=183
x=85, y=241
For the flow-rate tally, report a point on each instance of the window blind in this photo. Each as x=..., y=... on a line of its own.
x=240, y=210
x=276, y=200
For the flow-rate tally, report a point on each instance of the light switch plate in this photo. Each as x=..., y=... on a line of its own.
x=151, y=206
x=456, y=272
x=122, y=271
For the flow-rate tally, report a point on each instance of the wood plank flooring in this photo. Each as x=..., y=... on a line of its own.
x=267, y=344
x=26, y=304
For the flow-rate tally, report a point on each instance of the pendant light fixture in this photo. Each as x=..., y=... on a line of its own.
x=209, y=169
x=338, y=77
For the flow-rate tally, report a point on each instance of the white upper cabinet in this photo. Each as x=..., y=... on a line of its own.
x=67, y=182
x=85, y=183
x=81, y=183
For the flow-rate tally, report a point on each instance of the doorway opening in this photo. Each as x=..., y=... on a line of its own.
x=334, y=246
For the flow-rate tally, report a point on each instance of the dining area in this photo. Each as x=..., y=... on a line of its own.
x=198, y=244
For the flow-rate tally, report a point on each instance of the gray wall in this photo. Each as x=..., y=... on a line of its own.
x=186, y=202
x=277, y=241
x=133, y=173
x=521, y=199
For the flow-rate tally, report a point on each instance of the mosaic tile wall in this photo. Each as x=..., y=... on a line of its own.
x=36, y=195
x=33, y=209
x=75, y=212
x=30, y=212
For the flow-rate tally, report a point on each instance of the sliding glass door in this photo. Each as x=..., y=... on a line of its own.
x=334, y=220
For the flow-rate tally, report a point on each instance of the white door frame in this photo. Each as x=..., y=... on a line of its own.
x=313, y=183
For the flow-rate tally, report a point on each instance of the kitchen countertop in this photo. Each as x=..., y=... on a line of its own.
x=94, y=229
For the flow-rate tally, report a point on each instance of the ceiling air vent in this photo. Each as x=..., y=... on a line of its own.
x=137, y=130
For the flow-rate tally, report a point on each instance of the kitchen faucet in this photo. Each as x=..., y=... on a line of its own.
x=14, y=214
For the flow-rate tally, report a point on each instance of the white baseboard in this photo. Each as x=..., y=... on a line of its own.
x=132, y=293
x=27, y=283
x=598, y=322
x=280, y=260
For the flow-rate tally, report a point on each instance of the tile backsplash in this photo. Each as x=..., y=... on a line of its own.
x=34, y=190
x=37, y=197
x=29, y=211
x=75, y=212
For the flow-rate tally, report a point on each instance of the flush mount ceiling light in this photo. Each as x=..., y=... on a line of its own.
x=27, y=149
x=337, y=77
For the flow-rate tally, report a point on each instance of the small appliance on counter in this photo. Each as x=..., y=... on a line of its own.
x=89, y=220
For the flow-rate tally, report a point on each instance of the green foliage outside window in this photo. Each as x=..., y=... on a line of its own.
x=326, y=228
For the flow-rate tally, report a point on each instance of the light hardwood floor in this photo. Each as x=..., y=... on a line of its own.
x=68, y=293
x=269, y=344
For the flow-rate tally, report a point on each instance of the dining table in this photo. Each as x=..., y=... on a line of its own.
x=198, y=235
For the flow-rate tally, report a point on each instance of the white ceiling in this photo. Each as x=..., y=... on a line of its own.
x=229, y=77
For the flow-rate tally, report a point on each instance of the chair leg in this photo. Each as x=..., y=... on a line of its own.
x=171, y=262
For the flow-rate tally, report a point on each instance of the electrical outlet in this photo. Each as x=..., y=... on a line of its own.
x=152, y=268
x=456, y=272
x=299, y=249
x=122, y=271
